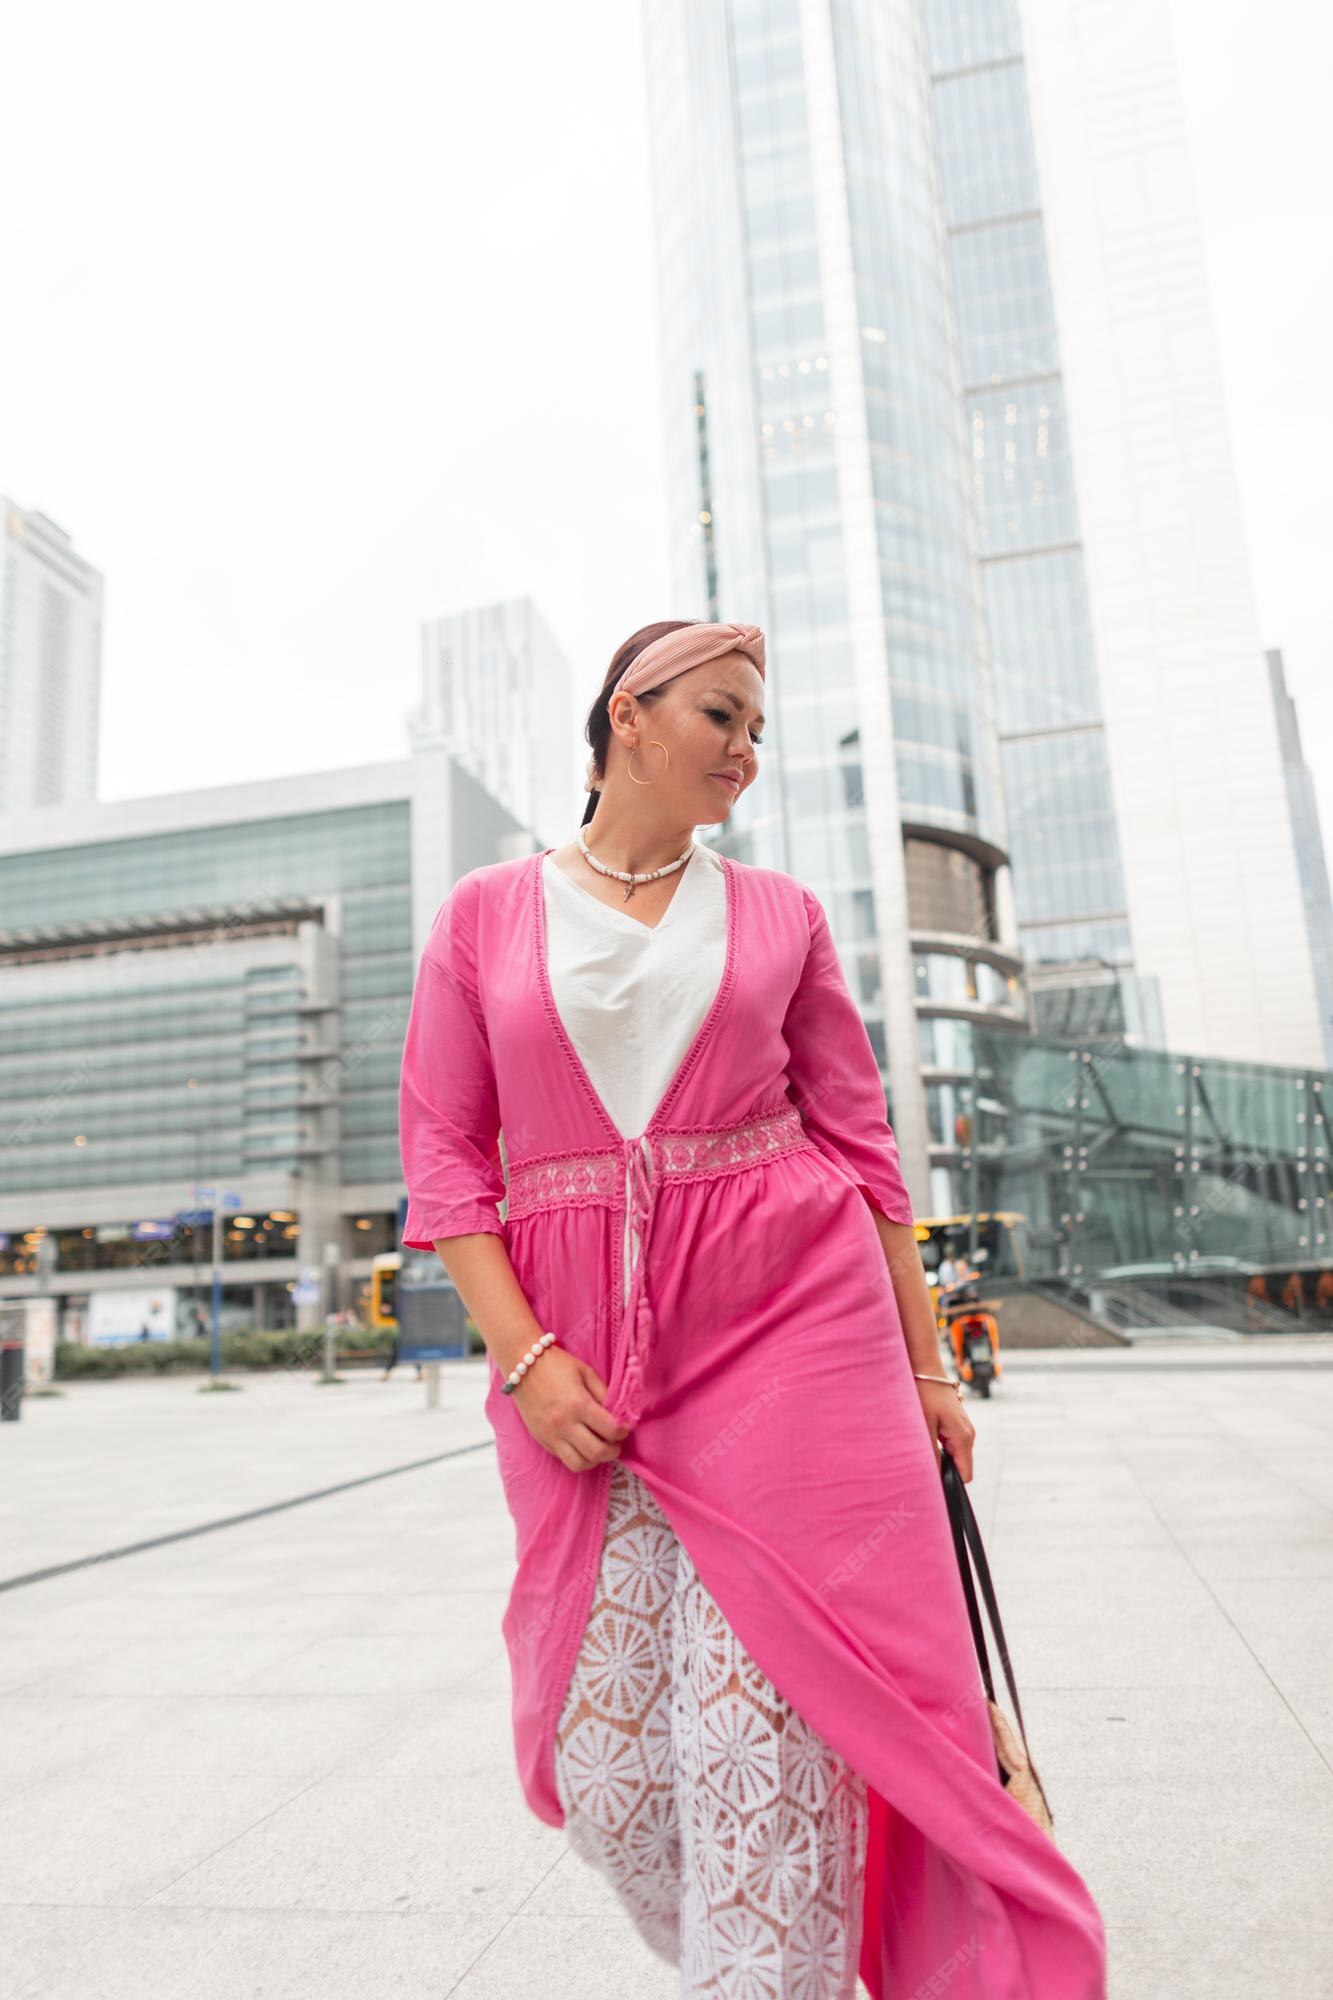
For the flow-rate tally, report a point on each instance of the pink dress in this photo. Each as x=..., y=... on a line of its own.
x=734, y=1839
x=758, y=1354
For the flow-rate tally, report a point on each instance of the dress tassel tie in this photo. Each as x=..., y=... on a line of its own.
x=638, y=1327
x=626, y=1179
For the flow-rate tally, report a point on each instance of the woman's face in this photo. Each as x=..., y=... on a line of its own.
x=711, y=720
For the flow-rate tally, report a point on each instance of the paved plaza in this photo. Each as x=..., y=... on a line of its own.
x=274, y=1758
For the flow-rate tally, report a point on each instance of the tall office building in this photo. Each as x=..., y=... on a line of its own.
x=1069, y=889
x=820, y=485
x=1309, y=842
x=875, y=411
x=50, y=664
x=496, y=693
x=1211, y=873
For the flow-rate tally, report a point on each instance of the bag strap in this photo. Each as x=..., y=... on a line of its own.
x=967, y=1535
x=965, y=1571
x=970, y=1597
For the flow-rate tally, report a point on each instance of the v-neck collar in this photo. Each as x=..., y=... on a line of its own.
x=623, y=916
x=561, y=1033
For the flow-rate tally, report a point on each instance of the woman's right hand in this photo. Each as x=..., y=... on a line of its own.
x=562, y=1400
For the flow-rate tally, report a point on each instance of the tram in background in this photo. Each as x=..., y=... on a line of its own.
x=1002, y=1236
x=414, y=1301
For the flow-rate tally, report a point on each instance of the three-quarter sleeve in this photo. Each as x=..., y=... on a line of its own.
x=448, y=1115
x=833, y=1076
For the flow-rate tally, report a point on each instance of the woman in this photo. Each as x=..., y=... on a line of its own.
x=743, y=1676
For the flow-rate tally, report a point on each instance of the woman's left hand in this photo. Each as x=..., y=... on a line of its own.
x=948, y=1423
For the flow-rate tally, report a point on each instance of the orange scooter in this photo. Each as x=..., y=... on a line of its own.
x=973, y=1332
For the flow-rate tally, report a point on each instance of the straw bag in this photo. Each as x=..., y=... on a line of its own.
x=1017, y=1771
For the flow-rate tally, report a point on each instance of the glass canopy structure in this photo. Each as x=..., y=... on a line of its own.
x=1111, y=1163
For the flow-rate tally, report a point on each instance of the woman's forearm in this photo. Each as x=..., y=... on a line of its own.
x=488, y=1286
x=916, y=1308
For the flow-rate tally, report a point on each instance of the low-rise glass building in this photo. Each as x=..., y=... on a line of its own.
x=209, y=991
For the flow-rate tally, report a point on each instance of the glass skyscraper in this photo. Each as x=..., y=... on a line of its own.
x=821, y=485
x=1069, y=889
x=496, y=693
x=943, y=413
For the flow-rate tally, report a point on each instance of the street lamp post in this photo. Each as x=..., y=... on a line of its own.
x=215, y=1335
x=217, y=1201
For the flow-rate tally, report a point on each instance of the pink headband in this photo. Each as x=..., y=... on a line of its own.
x=677, y=652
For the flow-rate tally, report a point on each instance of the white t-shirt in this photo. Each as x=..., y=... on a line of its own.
x=632, y=996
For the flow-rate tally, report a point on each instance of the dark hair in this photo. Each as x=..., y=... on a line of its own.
x=597, y=729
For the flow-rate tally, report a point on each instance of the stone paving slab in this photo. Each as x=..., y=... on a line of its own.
x=276, y=1758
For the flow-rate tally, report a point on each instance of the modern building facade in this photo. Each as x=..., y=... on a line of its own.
x=871, y=448
x=820, y=485
x=210, y=989
x=1308, y=838
x=1212, y=881
x=1069, y=889
x=496, y=693
x=50, y=664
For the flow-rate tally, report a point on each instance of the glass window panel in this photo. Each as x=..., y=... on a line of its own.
x=1004, y=309
x=1023, y=475
x=1042, y=652
x=1063, y=843
x=962, y=32
x=987, y=164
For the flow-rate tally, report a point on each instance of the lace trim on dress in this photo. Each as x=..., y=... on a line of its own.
x=565, y=1180
x=551, y=1180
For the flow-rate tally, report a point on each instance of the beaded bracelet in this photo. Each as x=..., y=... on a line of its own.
x=512, y=1380
x=941, y=1378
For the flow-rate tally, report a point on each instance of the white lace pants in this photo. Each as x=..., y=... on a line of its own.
x=733, y=1836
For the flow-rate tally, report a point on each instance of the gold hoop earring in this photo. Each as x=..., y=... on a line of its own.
x=648, y=781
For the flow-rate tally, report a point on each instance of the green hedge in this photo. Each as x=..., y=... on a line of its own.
x=243, y=1349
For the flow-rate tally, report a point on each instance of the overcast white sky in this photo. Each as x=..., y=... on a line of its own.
x=319, y=321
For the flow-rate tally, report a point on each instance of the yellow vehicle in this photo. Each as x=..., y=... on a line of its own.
x=415, y=1304
x=1002, y=1236
x=384, y=1272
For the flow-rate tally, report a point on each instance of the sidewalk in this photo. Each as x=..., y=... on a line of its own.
x=276, y=1757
